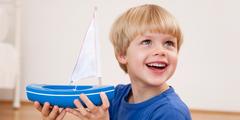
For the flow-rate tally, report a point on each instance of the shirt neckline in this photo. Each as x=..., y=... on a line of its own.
x=145, y=103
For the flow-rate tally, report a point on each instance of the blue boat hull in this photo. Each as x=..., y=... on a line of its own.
x=64, y=95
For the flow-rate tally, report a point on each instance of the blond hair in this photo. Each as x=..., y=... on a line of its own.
x=139, y=20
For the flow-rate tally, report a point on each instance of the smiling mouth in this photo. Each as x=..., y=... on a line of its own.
x=157, y=66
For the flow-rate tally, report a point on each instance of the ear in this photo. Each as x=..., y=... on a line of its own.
x=121, y=58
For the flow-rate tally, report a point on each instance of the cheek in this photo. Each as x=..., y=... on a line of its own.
x=136, y=58
x=173, y=57
x=174, y=60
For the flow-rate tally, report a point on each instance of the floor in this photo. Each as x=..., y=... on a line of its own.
x=27, y=112
x=210, y=115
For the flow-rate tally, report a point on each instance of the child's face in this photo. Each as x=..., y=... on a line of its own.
x=151, y=59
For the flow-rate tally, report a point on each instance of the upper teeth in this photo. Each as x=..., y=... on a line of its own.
x=157, y=64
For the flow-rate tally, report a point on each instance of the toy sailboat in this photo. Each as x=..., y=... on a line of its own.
x=87, y=66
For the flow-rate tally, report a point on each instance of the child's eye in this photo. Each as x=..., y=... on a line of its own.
x=146, y=42
x=169, y=43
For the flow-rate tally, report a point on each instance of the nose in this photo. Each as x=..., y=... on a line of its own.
x=159, y=51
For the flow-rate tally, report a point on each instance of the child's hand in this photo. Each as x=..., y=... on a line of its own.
x=50, y=113
x=92, y=112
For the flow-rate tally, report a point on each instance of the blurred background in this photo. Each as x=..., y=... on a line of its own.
x=43, y=39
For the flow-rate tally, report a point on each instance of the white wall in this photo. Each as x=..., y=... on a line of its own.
x=207, y=74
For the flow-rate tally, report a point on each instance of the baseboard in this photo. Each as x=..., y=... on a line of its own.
x=23, y=102
x=205, y=111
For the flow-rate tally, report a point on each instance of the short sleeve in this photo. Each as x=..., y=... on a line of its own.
x=120, y=91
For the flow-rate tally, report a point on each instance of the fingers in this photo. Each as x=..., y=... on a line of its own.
x=80, y=107
x=105, y=102
x=88, y=103
x=46, y=109
x=92, y=111
x=49, y=112
x=61, y=115
x=53, y=114
x=38, y=106
x=75, y=112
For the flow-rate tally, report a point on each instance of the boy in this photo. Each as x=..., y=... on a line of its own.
x=146, y=40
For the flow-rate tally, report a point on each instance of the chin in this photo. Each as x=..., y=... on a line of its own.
x=157, y=84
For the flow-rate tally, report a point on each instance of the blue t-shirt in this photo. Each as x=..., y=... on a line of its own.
x=166, y=106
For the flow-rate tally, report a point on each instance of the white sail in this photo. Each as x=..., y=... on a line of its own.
x=88, y=64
